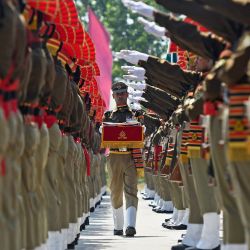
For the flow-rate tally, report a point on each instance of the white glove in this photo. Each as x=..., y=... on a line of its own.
x=140, y=8
x=136, y=93
x=137, y=86
x=133, y=70
x=132, y=56
x=152, y=28
x=136, y=106
x=135, y=99
x=134, y=78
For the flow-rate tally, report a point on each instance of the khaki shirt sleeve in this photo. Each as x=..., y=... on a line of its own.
x=236, y=67
x=217, y=23
x=172, y=71
x=162, y=96
x=164, y=85
x=189, y=38
x=237, y=10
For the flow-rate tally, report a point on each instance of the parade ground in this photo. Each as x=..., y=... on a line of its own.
x=150, y=234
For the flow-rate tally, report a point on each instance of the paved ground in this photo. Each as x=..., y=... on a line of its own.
x=150, y=234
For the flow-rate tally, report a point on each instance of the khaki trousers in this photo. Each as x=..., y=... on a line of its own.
x=41, y=162
x=233, y=228
x=195, y=216
x=205, y=194
x=51, y=179
x=123, y=177
x=103, y=172
x=165, y=188
x=240, y=177
x=150, y=181
x=176, y=195
x=4, y=141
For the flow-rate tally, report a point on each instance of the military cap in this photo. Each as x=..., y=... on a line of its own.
x=119, y=87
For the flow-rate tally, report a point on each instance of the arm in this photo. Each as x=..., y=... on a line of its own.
x=217, y=23
x=188, y=37
x=233, y=9
x=172, y=71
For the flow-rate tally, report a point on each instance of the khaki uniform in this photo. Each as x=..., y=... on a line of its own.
x=213, y=21
x=51, y=181
x=41, y=162
x=32, y=138
x=232, y=225
x=70, y=178
x=64, y=211
x=241, y=9
x=3, y=146
x=195, y=216
x=123, y=178
x=10, y=195
x=180, y=33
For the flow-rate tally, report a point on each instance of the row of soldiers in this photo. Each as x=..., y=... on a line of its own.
x=51, y=167
x=200, y=151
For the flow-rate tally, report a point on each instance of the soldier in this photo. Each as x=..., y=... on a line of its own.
x=121, y=168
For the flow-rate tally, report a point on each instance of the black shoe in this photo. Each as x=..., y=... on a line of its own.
x=155, y=209
x=118, y=232
x=167, y=220
x=92, y=209
x=160, y=211
x=194, y=248
x=87, y=221
x=168, y=224
x=180, y=247
x=130, y=232
x=71, y=246
x=146, y=198
x=82, y=227
x=179, y=227
x=152, y=205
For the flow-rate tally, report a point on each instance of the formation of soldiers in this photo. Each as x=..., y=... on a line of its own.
x=197, y=146
x=51, y=166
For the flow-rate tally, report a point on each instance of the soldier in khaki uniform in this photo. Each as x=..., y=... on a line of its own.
x=121, y=168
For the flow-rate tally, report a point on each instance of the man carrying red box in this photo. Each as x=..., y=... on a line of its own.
x=121, y=166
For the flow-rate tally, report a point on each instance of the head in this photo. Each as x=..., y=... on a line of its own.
x=120, y=93
x=203, y=64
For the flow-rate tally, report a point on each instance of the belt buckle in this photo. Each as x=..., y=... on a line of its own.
x=123, y=149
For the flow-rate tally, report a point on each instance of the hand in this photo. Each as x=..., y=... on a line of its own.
x=136, y=93
x=136, y=106
x=137, y=86
x=152, y=28
x=132, y=56
x=134, y=99
x=140, y=8
x=134, y=78
x=133, y=70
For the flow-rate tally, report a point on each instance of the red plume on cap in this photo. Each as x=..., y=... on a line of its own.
x=89, y=71
x=66, y=14
x=48, y=7
x=71, y=43
x=65, y=33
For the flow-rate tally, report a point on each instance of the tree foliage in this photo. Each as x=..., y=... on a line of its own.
x=125, y=31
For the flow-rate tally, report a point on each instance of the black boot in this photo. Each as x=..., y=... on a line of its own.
x=118, y=232
x=130, y=232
